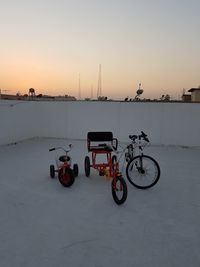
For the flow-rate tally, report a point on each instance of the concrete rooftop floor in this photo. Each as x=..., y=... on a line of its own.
x=45, y=224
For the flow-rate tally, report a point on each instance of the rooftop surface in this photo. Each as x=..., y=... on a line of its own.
x=44, y=224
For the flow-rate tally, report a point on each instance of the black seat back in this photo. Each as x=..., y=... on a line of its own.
x=101, y=137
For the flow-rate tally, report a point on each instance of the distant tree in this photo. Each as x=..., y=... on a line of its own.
x=167, y=97
x=102, y=98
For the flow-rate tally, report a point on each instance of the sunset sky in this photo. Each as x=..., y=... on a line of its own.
x=46, y=44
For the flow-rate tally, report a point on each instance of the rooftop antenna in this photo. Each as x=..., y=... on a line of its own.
x=91, y=92
x=99, y=89
x=79, y=87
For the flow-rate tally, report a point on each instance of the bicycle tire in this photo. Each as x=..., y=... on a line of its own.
x=143, y=177
x=119, y=185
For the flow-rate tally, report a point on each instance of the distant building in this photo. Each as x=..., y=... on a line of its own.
x=195, y=94
x=186, y=98
x=39, y=97
x=65, y=98
x=11, y=97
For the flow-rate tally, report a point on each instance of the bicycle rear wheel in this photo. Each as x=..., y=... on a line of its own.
x=119, y=190
x=143, y=171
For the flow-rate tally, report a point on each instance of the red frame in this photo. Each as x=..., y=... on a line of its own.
x=64, y=166
x=109, y=169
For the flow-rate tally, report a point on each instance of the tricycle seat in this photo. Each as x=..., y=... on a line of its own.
x=64, y=158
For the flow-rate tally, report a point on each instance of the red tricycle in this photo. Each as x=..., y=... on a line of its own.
x=66, y=174
x=103, y=143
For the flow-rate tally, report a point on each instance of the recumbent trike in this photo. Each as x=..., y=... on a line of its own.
x=103, y=143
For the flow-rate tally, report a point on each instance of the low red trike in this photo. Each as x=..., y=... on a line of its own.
x=103, y=143
x=66, y=174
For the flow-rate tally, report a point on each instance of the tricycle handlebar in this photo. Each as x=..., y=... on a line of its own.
x=56, y=148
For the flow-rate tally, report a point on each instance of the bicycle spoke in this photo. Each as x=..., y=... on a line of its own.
x=143, y=171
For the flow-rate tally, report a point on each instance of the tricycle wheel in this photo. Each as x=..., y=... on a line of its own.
x=66, y=177
x=52, y=171
x=87, y=166
x=119, y=190
x=75, y=170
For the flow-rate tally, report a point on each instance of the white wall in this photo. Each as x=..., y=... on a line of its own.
x=165, y=123
x=17, y=121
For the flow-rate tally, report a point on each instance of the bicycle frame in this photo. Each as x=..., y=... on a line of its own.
x=129, y=151
x=137, y=142
x=110, y=169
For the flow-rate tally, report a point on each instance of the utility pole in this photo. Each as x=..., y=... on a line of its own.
x=79, y=87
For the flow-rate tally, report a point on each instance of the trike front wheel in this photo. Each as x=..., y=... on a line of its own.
x=119, y=190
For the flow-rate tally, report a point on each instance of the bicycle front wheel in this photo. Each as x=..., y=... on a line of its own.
x=143, y=171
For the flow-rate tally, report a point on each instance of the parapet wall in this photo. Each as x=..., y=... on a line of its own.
x=165, y=123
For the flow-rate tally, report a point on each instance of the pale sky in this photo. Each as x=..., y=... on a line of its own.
x=46, y=44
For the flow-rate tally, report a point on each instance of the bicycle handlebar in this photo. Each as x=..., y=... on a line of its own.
x=133, y=137
x=52, y=149
x=142, y=135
